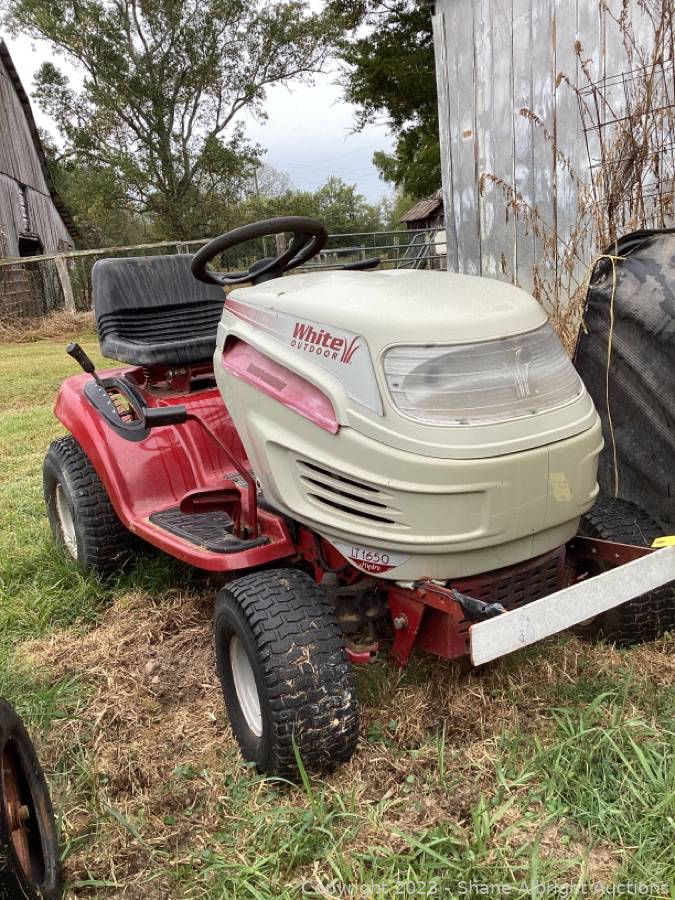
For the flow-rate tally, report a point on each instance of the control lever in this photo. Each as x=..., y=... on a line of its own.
x=155, y=416
x=85, y=363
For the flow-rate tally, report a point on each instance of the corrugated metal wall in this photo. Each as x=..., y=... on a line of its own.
x=511, y=132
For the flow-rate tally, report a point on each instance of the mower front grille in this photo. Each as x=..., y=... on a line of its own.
x=513, y=586
x=519, y=584
x=345, y=494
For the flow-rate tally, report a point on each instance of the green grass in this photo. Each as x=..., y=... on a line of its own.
x=573, y=783
x=40, y=590
x=31, y=373
x=604, y=779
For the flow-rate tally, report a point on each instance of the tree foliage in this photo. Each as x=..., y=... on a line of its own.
x=157, y=115
x=97, y=201
x=387, y=48
x=105, y=217
x=337, y=204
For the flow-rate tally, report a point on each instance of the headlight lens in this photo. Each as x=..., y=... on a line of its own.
x=491, y=381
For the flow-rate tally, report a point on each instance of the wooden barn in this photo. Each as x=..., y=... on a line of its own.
x=424, y=222
x=427, y=213
x=557, y=130
x=33, y=219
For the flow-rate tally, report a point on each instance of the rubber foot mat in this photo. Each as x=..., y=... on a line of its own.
x=210, y=530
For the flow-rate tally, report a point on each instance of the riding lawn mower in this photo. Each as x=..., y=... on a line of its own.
x=400, y=456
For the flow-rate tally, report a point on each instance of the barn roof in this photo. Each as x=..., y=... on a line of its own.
x=39, y=149
x=424, y=208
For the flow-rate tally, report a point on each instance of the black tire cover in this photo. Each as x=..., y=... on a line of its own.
x=641, y=369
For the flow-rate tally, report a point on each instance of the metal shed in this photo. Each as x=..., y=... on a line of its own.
x=557, y=132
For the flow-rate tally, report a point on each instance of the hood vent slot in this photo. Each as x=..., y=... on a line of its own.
x=332, y=489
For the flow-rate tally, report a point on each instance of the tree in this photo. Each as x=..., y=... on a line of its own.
x=343, y=210
x=270, y=182
x=96, y=200
x=400, y=205
x=387, y=48
x=164, y=84
x=335, y=203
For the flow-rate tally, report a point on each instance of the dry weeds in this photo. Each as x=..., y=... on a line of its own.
x=627, y=181
x=154, y=706
x=57, y=325
x=154, y=737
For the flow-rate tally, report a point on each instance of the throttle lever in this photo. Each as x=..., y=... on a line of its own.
x=84, y=361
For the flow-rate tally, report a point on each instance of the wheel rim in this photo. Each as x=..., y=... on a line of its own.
x=245, y=686
x=66, y=522
x=17, y=813
x=26, y=815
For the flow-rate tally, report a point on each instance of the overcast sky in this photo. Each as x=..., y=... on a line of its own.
x=308, y=132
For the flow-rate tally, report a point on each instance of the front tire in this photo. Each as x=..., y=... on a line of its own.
x=82, y=518
x=286, y=680
x=29, y=849
x=645, y=618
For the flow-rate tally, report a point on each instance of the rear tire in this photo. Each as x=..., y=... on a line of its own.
x=29, y=848
x=645, y=618
x=82, y=518
x=286, y=680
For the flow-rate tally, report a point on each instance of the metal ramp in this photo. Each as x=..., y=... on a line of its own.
x=417, y=252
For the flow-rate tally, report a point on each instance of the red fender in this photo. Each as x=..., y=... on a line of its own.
x=156, y=473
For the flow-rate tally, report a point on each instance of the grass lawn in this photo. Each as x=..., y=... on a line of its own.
x=551, y=772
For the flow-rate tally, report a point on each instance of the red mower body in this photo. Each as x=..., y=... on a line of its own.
x=159, y=472
x=193, y=465
x=171, y=466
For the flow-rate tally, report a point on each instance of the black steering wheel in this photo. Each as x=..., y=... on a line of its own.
x=309, y=237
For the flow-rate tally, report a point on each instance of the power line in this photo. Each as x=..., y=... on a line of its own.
x=350, y=177
x=339, y=156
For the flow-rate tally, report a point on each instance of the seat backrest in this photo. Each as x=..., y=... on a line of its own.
x=150, y=310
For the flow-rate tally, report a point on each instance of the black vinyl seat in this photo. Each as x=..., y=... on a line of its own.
x=150, y=310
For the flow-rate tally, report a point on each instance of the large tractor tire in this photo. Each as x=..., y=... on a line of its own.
x=286, y=680
x=29, y=847
x=82, y=518
x=645, y=618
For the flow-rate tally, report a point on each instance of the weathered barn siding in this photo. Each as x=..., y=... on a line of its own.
x=45, y=222
x=27, y=191
x=510, y=128
x=22, y=163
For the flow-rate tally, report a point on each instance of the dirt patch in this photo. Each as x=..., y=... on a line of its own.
x=153, y=771
x=523, y=827
x=151, y=732
x=160, y=760
x=654, y=662
x=57, y=326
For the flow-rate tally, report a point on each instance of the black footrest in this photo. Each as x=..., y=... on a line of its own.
x=210, y=530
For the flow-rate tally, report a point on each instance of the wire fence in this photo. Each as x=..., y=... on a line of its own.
x=37, y=286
